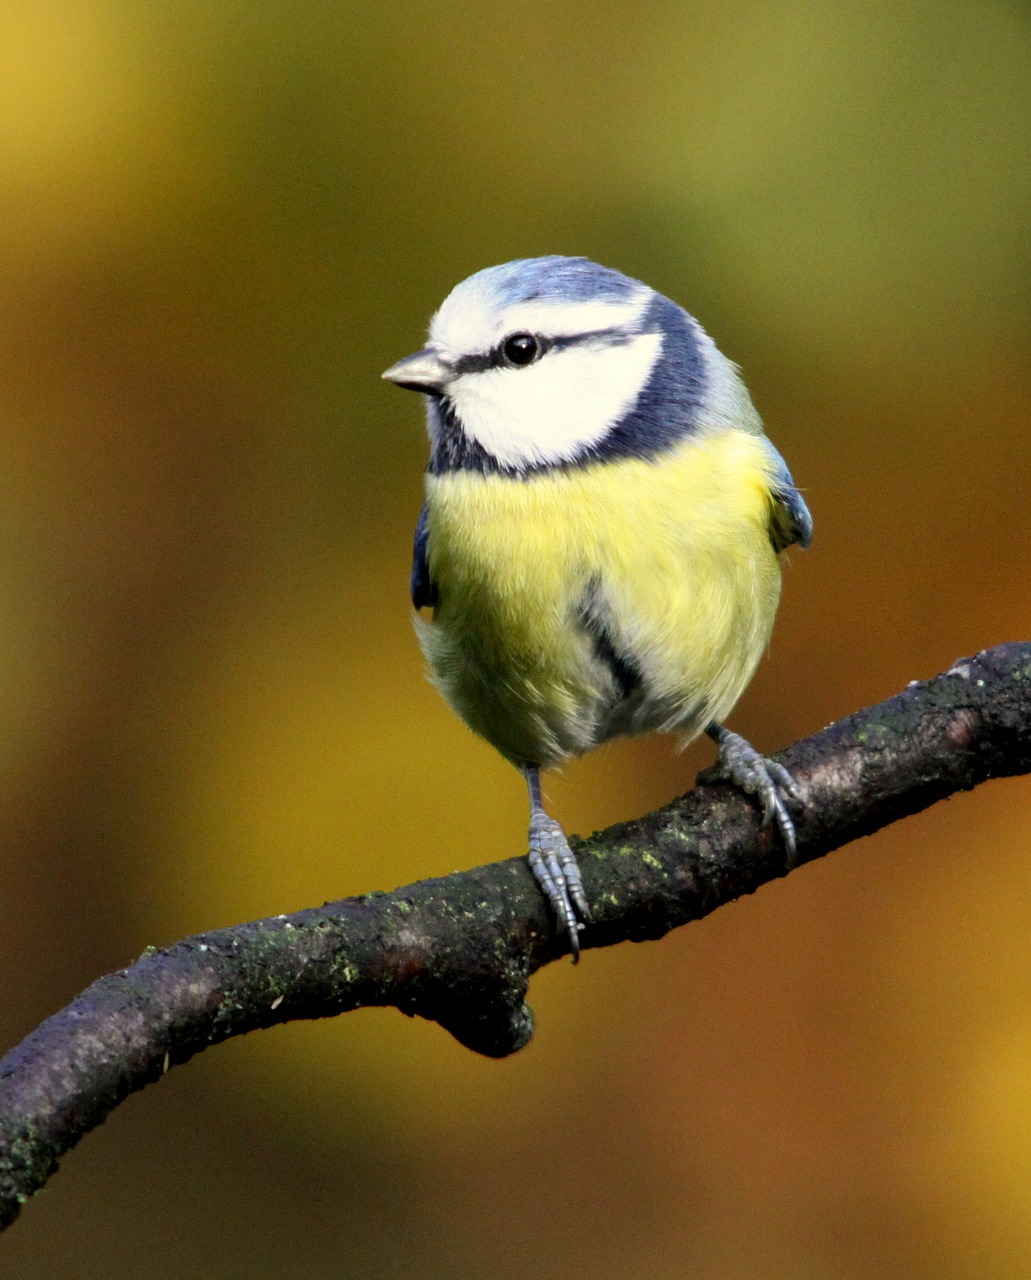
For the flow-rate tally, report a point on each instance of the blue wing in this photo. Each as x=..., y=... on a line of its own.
x=424, y=589
x=790, y=520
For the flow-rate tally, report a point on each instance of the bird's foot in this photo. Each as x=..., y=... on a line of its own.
x=554, y=868
x=768, y=781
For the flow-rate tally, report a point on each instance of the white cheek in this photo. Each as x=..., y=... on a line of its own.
x=550, y=411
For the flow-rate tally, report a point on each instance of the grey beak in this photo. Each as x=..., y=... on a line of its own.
x=425, y=371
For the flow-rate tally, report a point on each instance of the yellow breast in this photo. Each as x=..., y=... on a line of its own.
x=677, y=553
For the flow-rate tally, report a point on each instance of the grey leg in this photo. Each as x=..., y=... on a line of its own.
x=553, y=864
x=767, y=780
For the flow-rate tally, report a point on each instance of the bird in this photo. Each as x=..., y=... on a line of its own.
x=598, y=547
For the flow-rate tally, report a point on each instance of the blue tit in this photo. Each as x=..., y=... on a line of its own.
x=600, y=537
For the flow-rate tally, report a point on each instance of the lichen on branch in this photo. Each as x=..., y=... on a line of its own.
x=461, y=950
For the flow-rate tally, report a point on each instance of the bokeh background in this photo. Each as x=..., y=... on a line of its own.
x=219, y=221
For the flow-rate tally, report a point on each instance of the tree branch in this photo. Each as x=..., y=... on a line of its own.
x=460, y=950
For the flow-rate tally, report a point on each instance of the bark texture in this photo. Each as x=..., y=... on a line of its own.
x=461, y=950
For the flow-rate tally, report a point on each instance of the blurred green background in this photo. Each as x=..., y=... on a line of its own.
x=218, y=223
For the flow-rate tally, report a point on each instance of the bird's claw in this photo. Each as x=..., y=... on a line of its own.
x=767, y=780
x=555, y=869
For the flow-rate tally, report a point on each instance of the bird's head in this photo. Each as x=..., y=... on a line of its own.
x=557, y=361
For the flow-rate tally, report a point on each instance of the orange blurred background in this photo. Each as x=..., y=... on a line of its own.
x=218, y=223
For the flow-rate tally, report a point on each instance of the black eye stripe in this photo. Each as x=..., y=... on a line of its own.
x=495, y=359
x=615, y=337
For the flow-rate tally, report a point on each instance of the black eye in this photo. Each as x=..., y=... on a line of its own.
x=520, y=349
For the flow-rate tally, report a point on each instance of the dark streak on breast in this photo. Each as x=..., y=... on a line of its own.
x=625, y=673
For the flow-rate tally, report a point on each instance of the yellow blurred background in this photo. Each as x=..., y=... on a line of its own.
x=218, y=223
